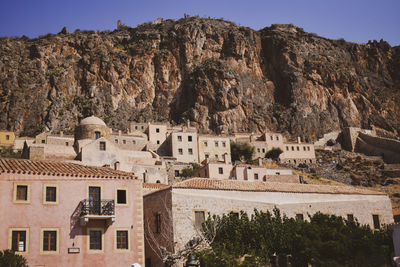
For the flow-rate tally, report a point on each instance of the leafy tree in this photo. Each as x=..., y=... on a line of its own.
x=273, y=153
x=190, y=171
x=324, y=240
x=242, y=151
x=10, y=259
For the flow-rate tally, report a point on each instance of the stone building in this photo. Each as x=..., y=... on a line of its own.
x=177, y=211
x=214, y=147
x=184, y=145
x=63, y=214
x=7, y=138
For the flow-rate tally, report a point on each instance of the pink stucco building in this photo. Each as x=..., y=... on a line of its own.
x=64, y=214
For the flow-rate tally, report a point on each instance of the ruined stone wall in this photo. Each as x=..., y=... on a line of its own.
x=389, y=149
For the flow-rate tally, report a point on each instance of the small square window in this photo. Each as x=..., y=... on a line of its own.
x=176, y=173
x=350, y=217
x=124, y=141
x=205, y=143
x=304, y=148
x=263, y=150
x=97, y=135
x=43, y=141
x=51, y=194
x=223, y=144
x=135, y=127
x=7, y=137
x=158, y=142
x=121, y=196
x=22, y=193
x=157, y=130
x=190, y=151
x=256, y=176
x=292, y=148
x=116, y=141
x=298, y=148
x=122, y=239
x=190, y=138
x=308, y=148
x=300, y=217
x=180, y=151
x=134, y=142
x=207, y=156
x=19, y=240
x=179, y=138
x=272, y=138
x=220, y=170
x=216, y=156
x=277, y=138
x=142, y=127
x=66, y=143
x=258, y=150
x=216, y=143
x=102, y=146
x=287, y=148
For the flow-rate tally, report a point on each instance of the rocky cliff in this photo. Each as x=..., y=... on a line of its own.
x=222, y=77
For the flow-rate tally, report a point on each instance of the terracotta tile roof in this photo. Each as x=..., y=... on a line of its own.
x=396, y=211
x=34, y=167
x=155, y=186
x=232, y=185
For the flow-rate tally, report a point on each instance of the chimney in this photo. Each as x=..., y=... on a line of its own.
x=298, y=139
x=61, y=133
x=145, y=177
x=117, y=166
x=260, y=161
x=188, y=124
x=119, y=132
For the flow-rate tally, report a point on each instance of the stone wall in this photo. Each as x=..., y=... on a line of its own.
x=388, y=149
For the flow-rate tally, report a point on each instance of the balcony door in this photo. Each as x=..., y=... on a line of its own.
x=94, y=199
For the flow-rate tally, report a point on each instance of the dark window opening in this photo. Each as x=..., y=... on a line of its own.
x=22, y=192
x=97, y=135
x=220, y=170
x=158, y=223
x=95, y=240
x=350, y=217
x=375, y=218
x=49, y=240
x=300, y=217
x=121, y=196
x=102, y=146
x=122, y=239
x=18, y=241
x=190, y=138
x=51, y=194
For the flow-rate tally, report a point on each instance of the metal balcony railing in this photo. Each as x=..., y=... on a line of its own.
x=104, y=207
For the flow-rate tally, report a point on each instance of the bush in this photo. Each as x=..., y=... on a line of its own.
x=8, y=258
x=273, y=153
x=189, y=171
x=242, y=151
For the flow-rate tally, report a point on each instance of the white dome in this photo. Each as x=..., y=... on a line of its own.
x=92, y=120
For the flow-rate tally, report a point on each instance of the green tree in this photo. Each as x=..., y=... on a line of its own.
x=8, y=258
x=323, y=240
x=190, y=171
x=242, y=151
x=273, y=153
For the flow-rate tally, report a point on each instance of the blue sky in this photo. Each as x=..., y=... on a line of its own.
x=353, y=20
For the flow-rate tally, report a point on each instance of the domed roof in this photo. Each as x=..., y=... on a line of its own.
x=92, y=120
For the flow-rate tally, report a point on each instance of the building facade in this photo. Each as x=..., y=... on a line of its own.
x=63, y=214
x=214, y=147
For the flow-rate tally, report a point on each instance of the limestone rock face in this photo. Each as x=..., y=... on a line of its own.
x=222, y=77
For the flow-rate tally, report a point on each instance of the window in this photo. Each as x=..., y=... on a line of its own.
x=176, y=173
x=19, y=239
x=272, y=138
x=142, y=127
x=298, y=148
x=124, y=142
x=135, y=127
x=148, y=262
x=207, y=156
x=122, y=196
x=278, y=173
x=95, y=242
x=300, y=217
x=223, y=144
x=7, y=137
x=66, y=143
x=287, y=148
x=158, y=142
x=157, y=220
x=205, y=143
x=199, y=218
x=258, y=150
x=116, y=141
x=134, y=142
x=216, y=143
x=350, y=217
x=190, y=138
x=50, y=195
x=292, y=148
x=180, y=151
x=97, y=135
x=190, y=151
x=277, y=138
x=157, y=130
x=216, y=156
x=43, y=141
x=102, y=146
x=220, y=170
x=375, y=218
x=263, y=150
x=49, y=241
x=21, y=193
x=256, y=176
x=122, y=239
x=265, y=178
x=304, y=148
x=308, y=148
x=179, y=138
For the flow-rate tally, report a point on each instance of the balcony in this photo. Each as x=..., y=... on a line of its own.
x=97, y=210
